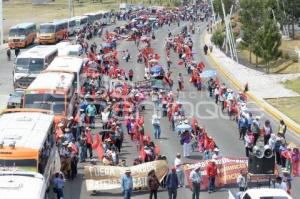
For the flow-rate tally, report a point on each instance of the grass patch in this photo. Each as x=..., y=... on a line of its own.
x=293, y=85
x=289, y=106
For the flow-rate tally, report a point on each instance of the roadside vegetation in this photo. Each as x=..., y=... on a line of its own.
x=259, y=25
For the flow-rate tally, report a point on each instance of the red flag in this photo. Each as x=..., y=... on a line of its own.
x=157, y=150
x=125, y=90
x=194, y=123
x=98, y=146
x=77, y=117
x=58, y=133
x=142, y=152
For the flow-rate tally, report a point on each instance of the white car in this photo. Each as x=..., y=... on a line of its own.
x=262, y=193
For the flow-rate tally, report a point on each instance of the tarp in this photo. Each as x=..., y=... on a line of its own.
x=108, y=177
x=228, y=171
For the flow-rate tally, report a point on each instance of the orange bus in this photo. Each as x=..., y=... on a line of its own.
x=51, y=33
x=21, y=35
x=53, y=91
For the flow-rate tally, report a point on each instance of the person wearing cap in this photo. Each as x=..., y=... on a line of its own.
x=179, y=170
x=172, y=184
x=196, y=178
x=127, y=184
x=212, y=173
x=243, y=126
x=287, y=178
x=255, y=128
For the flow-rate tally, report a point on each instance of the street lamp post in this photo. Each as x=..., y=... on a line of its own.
x=1, y=22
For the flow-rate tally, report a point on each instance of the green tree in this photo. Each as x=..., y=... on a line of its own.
x=268, y=42
x=251, y=18
x=218, y=38
x=218, y=7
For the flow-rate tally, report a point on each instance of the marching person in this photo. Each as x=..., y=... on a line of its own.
x=212, y=173
x=59, y=184
x=180, y=82
x=8, y=53
x=242, y=181
x=179, y=170
x=282, y=129
x=172, y=184
x=196, y=178
x=127, y=184
x=156, y=125
x=153, y=184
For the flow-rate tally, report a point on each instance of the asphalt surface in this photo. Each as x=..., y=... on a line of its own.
x=196, y=103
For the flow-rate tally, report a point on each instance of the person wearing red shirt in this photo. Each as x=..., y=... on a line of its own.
x=212, y=172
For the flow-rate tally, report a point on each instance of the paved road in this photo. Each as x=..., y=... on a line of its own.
x=196, y=103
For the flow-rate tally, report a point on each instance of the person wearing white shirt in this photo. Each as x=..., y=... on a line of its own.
x=242, y=181
x=179, y=169
x=156, y=125
x=279, y=184
x=196, y=178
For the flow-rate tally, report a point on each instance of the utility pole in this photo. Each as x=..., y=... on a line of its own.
x=1, y=23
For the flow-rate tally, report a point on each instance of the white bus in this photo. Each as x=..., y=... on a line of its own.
x=30, y=63
x=28, y=153
x=69, y=64
x=80, y=22
x=71, y=26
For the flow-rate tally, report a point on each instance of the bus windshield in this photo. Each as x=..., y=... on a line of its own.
x=25, y=164
x=16, y=32
x=47, y=29
x=53, y=102
x=29, y=65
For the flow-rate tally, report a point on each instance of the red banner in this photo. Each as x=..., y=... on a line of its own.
x=228, y=171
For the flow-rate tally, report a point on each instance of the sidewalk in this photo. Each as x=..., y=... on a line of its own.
x=3, y=47
x=261, y=85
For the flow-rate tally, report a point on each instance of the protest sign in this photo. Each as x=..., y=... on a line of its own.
x=102, y=177
x=228, y=171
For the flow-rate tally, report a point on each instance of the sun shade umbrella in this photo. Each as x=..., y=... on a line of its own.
x=183, y=127
x=156, y=69
x=208, y=74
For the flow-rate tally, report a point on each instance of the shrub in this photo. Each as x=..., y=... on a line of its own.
x=218, y=38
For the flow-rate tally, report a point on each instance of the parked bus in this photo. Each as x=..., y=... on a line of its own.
x=81, y=22
x=30, y=63
x=69, y=64
x=51, y=33
x=91, y=17
x=28, y=153
x=71, y=26
x=54, y=91
x=21, y=35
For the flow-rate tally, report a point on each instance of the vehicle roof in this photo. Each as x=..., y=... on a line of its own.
x=22, y=25
x=54, y=81
x=38, y=52
x=79, y=17
x=66, y=63
x=27, y=129
x=266, y=192
x=17, y=185
x=54, y=22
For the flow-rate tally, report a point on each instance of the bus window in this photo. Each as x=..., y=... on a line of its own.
x=47, y=29
x=26, y=164
x=34, y=65
x=51, y=102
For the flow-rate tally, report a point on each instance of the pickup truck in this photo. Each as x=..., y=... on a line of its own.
x=260, y=193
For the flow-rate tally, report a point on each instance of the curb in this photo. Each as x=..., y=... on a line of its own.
x=292, y=125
